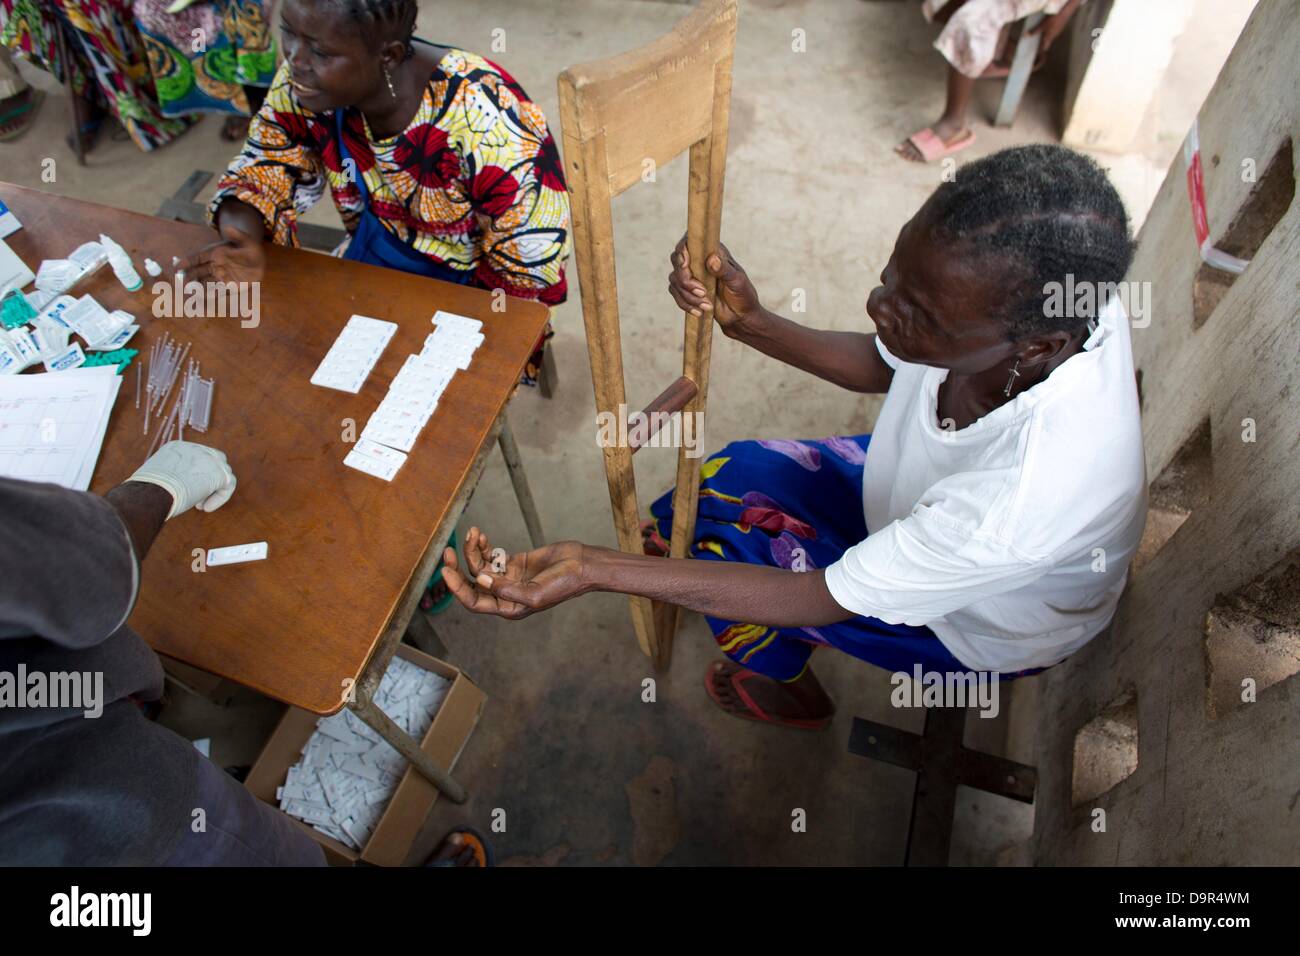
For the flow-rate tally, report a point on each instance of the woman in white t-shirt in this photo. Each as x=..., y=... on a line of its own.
x=988, y=522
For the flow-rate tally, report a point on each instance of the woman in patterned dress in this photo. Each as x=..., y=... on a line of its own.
x=436, y=159
x=209, y=56
x=107, y=65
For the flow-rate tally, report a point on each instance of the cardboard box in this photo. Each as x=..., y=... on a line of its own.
x=415, y=796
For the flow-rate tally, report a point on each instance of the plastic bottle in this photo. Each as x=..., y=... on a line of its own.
x=121, y=263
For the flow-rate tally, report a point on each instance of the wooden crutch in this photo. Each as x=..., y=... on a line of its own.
x=649, y=104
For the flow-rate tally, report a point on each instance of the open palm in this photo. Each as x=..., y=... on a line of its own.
x=532, y=580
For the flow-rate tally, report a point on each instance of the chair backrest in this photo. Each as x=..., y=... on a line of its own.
x=649, y=104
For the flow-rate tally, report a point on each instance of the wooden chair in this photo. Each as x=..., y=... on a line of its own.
x=651, y=103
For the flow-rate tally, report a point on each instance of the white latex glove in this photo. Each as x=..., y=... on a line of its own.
x=197, y=476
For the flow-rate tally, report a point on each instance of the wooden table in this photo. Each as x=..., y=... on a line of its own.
x=315, y=624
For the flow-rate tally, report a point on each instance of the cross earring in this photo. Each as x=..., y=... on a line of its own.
x=1015, y=374
x=388, y=78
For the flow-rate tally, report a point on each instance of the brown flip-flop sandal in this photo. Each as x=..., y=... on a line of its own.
x=476, y=841
x=756, y=713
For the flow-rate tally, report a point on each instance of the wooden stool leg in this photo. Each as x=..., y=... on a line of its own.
x=548, y=375
x=62, y=41
x=515, y=465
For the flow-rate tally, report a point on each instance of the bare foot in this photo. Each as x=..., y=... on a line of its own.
x=948, y=130
x=802, y=699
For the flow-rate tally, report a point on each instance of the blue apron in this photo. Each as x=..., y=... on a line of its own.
x=373, y=244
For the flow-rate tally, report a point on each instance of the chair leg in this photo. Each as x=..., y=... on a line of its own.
x=548, y=375
x=1022, y=65
x=515, y=465
x=62, y=41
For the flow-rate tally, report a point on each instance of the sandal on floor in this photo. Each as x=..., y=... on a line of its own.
x=475, y=841
x=654, y=543
x=931, y=147
x=756, y=713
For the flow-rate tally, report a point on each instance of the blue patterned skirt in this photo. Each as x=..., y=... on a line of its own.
x=795, y=504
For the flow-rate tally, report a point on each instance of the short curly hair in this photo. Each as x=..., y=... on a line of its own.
x=1048, y=212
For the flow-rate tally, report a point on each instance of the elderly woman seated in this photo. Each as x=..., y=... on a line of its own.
x=988, y=522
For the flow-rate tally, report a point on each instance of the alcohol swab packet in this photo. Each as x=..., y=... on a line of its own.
x=71, y=357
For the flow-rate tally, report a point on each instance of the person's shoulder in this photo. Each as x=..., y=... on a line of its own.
x=479, y=77
x=473, y=67
x=1082, y=465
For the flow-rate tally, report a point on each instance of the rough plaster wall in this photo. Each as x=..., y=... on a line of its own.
x=1205, y=791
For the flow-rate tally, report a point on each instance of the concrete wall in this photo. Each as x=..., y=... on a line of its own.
x=1217, y=780
x=1120, y=52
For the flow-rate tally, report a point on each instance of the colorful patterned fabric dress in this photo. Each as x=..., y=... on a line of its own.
x=970, y=37
x=108, y=64
x=204, y=56
x=797, y=505
x=474, y=182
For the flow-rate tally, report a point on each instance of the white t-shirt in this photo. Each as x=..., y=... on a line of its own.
x=1011, y=537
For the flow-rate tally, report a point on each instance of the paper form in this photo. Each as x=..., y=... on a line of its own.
x=52, y=425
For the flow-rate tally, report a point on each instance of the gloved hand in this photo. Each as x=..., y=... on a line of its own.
x=197, y=476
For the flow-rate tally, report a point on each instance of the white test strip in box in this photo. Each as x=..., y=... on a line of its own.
x=237, y=554
x=348, y=363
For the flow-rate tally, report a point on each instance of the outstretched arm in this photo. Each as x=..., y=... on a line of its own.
x=848, y=359
x=542, y=578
